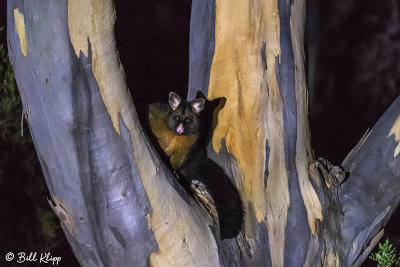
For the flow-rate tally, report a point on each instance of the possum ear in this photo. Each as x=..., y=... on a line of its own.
x=174, y=100
x=200, y=94
x=198, y=105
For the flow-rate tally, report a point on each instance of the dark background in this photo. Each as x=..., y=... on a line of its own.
x=353, y=58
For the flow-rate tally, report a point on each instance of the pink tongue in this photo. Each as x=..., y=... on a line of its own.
x=179, y=129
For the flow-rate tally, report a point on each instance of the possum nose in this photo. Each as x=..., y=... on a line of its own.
x=180, y=129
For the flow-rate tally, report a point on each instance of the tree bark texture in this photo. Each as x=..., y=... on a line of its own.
x=120, y=206
x=295, y=215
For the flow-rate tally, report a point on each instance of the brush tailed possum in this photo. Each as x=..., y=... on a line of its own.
x=182, y=130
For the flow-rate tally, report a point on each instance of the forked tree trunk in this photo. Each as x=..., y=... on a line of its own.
x=120, y=206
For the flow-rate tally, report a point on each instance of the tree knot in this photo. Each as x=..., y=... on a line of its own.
x=332, y=174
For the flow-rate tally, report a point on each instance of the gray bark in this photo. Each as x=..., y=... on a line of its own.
x=119, y=206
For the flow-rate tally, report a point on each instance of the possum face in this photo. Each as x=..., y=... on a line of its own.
x=184, y=116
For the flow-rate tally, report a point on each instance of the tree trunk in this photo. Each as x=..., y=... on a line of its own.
x=120, y=206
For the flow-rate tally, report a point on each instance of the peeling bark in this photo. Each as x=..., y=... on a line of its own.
x=118, y=205
x=303, y=216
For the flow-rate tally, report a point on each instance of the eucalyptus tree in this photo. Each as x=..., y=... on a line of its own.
x=118, y=203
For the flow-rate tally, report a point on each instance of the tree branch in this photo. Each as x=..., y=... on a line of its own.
x=118, y=205
x=370, y=194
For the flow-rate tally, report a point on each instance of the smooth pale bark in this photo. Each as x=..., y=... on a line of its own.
x=120, y=206
x=294, y=215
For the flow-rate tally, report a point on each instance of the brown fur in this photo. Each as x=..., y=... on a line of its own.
x=176, y=147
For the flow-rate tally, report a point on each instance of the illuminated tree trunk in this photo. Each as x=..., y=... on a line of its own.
x=298, y=213
x=120, y=206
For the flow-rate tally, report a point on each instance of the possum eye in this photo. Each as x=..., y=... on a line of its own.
x=188, y=120
x=176, y=118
